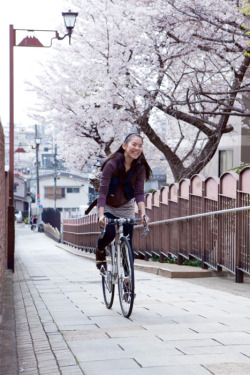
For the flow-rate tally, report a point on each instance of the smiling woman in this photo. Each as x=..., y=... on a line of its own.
x=122, y=184
x=132, y=147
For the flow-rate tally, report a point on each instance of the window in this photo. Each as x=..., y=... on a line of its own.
x=49, y=192
x=73, y=190
x=225, y=161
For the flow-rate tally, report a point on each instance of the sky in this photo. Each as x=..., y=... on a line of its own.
x=25, y=14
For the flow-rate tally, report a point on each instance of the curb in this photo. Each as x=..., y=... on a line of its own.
x=161, y=269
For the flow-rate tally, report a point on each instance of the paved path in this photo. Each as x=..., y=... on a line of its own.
x=177, y=327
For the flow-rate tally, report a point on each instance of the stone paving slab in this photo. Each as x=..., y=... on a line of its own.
x=178, y=326
x=8, y=349
x=117, y=367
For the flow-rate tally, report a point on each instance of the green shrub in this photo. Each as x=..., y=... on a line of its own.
x=193, y=263
x=174, y=260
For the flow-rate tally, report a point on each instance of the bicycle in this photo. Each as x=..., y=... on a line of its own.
x=120, y=268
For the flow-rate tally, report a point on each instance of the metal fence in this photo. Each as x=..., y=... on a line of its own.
x=204, y=219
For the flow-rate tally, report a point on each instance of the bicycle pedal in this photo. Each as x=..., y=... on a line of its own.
x=102, y=270
x=126, y=298
x=126, y=281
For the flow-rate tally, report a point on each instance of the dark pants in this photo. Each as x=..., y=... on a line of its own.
x=110, y=233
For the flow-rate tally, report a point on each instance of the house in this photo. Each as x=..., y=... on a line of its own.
x=72, y=191
x=157, y=180
x=233, y=150
x=20, y=192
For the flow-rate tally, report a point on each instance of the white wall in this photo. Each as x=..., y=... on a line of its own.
x=230, y=141
x=20, y=188
x=71, y=200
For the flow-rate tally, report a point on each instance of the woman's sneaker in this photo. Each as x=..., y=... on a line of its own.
x=101, y=259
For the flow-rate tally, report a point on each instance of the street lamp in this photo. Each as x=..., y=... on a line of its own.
x=69, y=19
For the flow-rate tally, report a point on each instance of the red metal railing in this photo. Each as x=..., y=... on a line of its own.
x=220, y=240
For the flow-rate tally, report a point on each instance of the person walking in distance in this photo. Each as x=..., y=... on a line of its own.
x=123, y=175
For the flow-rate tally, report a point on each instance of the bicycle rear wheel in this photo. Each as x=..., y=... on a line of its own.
x=126, y=282
x=108, y=286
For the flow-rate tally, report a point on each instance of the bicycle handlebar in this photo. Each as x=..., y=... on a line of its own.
x=123, y=221
x=120, y=221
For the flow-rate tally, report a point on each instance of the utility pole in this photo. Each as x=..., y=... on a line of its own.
x=37, y=162
x=39, y=221
x=55, y=175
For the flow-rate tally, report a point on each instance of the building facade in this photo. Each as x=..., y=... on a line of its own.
x=72, y=192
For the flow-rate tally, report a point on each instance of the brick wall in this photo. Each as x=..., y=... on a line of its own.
x=3, y=209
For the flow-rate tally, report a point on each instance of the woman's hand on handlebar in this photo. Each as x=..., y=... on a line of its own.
x=101, y=217
x=102, y=221
x=145, y=219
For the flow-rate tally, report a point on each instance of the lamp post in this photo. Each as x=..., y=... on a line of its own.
x=39, y=221
x=69, y=19
x=29, y=200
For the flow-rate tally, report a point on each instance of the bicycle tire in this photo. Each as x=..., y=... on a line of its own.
x=126, y=281
x=108, y=286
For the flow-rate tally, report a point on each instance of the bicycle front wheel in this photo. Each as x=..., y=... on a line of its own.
x=126, y=282
x=108, y=286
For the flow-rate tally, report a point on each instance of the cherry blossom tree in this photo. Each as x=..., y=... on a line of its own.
x=175, y=70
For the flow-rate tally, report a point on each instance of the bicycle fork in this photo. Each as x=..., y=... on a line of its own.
x=114, y=263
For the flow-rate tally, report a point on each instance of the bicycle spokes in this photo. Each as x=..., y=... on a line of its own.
x=127, y=289
x=108, y=286
x=108, y=281
x=126, y=278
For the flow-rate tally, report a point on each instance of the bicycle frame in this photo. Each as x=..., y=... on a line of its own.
x=116, y=253
x=119, y=269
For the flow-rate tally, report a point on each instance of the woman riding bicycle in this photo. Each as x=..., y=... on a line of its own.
x=123, y=175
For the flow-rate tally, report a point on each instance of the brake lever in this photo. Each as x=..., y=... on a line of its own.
x=146, y=228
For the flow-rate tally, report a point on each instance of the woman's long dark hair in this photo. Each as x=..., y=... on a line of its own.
x=141, y=159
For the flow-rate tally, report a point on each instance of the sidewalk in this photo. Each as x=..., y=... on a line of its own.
x=191, y=326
